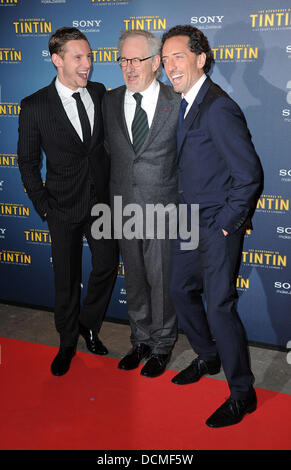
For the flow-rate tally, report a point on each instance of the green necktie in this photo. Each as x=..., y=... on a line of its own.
x=140, y=126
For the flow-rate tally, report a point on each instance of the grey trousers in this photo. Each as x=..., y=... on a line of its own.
x=147, y=277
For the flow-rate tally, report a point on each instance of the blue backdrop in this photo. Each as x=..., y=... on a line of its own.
x=251, y=42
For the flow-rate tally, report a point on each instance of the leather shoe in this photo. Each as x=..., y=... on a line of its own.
x=196, y=370
x=232, y=411
x=62, y=361
x=94, y=345
x=156, y=365
x=133, y=358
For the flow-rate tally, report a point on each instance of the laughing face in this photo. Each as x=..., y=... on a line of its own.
x=183, y=67
x=74, y=64
x=138, y=78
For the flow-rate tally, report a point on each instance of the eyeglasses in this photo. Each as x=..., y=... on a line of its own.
x=136, y=62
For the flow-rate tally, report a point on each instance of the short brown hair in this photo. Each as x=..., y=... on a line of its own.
x=59, y=39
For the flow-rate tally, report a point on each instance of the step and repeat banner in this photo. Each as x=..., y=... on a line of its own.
x=251, y=42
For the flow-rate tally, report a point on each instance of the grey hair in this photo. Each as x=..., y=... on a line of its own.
x=154, y=43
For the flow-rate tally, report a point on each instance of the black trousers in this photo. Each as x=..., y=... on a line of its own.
x=67, y=244
x=212, y=269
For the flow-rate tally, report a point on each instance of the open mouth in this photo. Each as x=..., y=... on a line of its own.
x=177, y=78
x=83, y=75
x=132, y=78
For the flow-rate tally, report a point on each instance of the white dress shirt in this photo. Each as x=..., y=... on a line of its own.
x=192, y=93
x=70, y=105
x=148, y=104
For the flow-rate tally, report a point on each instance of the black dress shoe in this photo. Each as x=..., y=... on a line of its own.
x=62, y=361
x=133, y=358
x=155, y=365
x=232, y=412
x=196, y=370
x=93, y=343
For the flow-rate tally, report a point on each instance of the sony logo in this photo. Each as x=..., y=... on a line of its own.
x=206, y=19
x=284, y=230
x=86, y=23
x=284, y=172
x=282, y=285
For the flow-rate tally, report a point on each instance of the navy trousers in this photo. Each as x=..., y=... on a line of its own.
x=215, y=330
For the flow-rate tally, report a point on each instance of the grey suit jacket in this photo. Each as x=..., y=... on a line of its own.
x=149, y=177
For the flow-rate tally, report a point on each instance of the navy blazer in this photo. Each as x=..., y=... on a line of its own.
x=218, y=165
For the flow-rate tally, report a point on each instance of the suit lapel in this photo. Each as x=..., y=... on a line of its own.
x=192, y=114
x=122, y=121
x=97, y=113
x=120, y=115
x=163, y=110
x=59, y=113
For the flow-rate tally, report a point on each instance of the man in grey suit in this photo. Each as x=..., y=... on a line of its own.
x=140, y=131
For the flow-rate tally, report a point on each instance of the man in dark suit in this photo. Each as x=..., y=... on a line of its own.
x=140, y=121
x=64, y=120
x=219, y=170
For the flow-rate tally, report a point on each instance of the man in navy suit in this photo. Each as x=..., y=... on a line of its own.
x=219, y=170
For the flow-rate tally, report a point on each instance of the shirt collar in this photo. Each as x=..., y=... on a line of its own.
x=65, y=91
x=193, y=92
x=148, y=93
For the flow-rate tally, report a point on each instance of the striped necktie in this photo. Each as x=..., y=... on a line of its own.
x=140, y=126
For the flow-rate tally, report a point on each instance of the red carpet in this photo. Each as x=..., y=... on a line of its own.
x=96, y=406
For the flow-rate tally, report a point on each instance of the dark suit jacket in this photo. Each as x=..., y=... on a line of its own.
x=70, y=166
x=219, y=167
